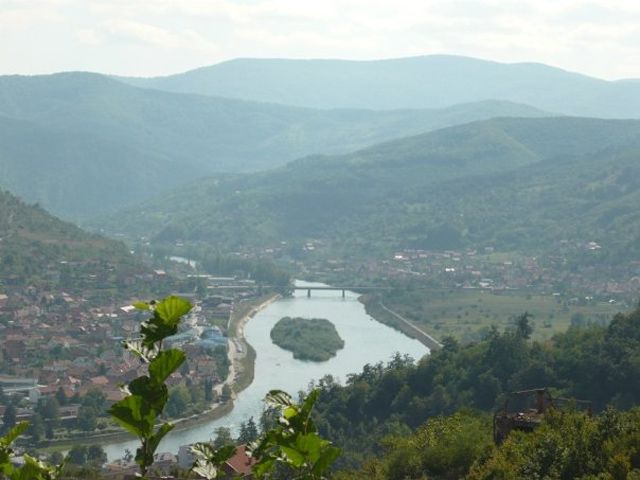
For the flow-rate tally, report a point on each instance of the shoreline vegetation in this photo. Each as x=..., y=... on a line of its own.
x=380, y=313
x=240, y=376
x=312, y=339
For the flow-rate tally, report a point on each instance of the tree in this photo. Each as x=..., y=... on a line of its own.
x=50, y=410
x=178, y=401
x=524, y=327
x=248, y=432
x=226, y=392
x=37, y=427
x=208, y=390
x=222, y=437
x=61, y=397
x=78, y=455
x=9, y=417
x=49, y=433
x=128, y=456
x=87, y=419
x=96, y=399
x=57, y=458
x=96, y=455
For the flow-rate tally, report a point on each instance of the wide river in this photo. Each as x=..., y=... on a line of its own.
x=366, y=341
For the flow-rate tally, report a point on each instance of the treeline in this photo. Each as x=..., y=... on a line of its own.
x=568, y=444
x=260, y=270
x=594, y=363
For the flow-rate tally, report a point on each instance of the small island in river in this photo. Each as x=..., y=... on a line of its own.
x=314, y=339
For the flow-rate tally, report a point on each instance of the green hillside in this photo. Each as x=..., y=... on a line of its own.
x=112, y=144
x=510, y=183
x=36, y=248
x=75, y=173
x=415, y=82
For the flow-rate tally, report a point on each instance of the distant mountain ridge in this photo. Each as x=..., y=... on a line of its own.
x=84, y=144
x=512, y=183
x=434, y=81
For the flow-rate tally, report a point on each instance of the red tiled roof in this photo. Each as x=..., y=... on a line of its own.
x=240, y=462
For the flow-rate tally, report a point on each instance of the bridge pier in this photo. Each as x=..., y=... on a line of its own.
x=343, y=293
x=309, y=293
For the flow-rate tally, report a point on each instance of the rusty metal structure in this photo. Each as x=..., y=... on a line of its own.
x=532, y=407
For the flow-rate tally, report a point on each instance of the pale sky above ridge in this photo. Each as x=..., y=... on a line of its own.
x=600, y=38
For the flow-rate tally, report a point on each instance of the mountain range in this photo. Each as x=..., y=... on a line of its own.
x=511, y=183
x=84, y=144
x=433, y=81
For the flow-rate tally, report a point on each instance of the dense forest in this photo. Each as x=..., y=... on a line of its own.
x=593, y=363
x=513, y=184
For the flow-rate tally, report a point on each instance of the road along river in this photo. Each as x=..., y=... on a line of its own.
x=366, y=341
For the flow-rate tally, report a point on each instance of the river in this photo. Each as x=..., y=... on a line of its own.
x=366, y=341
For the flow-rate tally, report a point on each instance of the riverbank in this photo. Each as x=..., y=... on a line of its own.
x=374, y=307
x=241, y=354
x=240, y=376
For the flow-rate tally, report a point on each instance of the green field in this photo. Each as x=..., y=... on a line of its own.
x=469, y=314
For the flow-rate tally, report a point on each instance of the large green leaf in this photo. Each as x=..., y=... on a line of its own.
x=14, y=433
x=172, y=308
x=155, y=394
x=165, y=364
x=327, y=457
x=134, y=414
x=157, y=437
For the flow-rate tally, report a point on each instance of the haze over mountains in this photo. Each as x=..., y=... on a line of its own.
x=83, y=144
x=434, y=81
x=513, y=183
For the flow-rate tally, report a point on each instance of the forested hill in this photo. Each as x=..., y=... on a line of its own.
x=510, y=183
x=38, y=248
x=415, y=82
x=83, y=143
x=592, y=363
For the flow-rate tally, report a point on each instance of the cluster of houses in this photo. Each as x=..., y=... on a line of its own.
x=237, y=467
x=56, y=342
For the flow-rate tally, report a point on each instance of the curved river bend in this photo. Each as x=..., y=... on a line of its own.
x=366, y=341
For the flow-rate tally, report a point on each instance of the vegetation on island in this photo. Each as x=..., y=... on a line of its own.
x=314, y=339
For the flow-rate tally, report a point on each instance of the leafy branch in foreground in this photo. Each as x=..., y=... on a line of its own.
x=294, y=442
x=148, y=395
x=33, y=469
x=209, y=462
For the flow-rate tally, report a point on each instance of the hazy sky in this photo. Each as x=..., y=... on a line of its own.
x=156, y=37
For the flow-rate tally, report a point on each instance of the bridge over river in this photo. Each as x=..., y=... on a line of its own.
x=344, y=289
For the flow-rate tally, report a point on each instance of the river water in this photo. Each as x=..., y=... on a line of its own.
x=366, y=341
